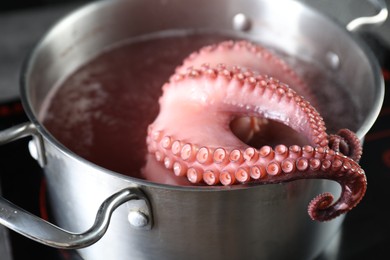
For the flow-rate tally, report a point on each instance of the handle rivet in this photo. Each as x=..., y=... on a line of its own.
x=333, y=60
x=241, y=22
x=137, y=219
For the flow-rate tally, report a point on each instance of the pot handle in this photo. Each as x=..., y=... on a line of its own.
x=35, y=228
x=377, y=19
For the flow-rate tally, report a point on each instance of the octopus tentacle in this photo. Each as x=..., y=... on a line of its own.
x=250, y=56
x=353, y=182
x=346, y=142
x=247, y=94
x=208, y=152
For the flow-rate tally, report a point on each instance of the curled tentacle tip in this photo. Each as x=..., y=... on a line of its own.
x=347, y=142
x=321, y=209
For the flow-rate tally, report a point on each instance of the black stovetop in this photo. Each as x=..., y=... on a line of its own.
x=365, y=231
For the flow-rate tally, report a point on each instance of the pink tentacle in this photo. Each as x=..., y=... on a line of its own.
x=354, y=185
x=346, y=142
x=192, y=138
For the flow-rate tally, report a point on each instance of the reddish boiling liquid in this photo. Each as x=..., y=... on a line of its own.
x=101, y=112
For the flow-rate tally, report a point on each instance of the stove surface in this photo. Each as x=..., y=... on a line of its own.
x=365, y=230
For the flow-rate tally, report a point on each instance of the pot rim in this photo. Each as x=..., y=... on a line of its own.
x=379, y=84
x=67, y=18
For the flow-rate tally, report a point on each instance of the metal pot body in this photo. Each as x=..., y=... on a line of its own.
x=243, y=222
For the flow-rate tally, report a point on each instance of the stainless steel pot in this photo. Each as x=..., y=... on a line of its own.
x=154, y=221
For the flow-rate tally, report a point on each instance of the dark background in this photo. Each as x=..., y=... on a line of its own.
x=9, y=6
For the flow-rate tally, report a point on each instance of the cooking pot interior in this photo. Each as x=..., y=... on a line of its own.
x=285, y=26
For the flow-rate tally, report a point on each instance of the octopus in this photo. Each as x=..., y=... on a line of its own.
x=221, y=98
